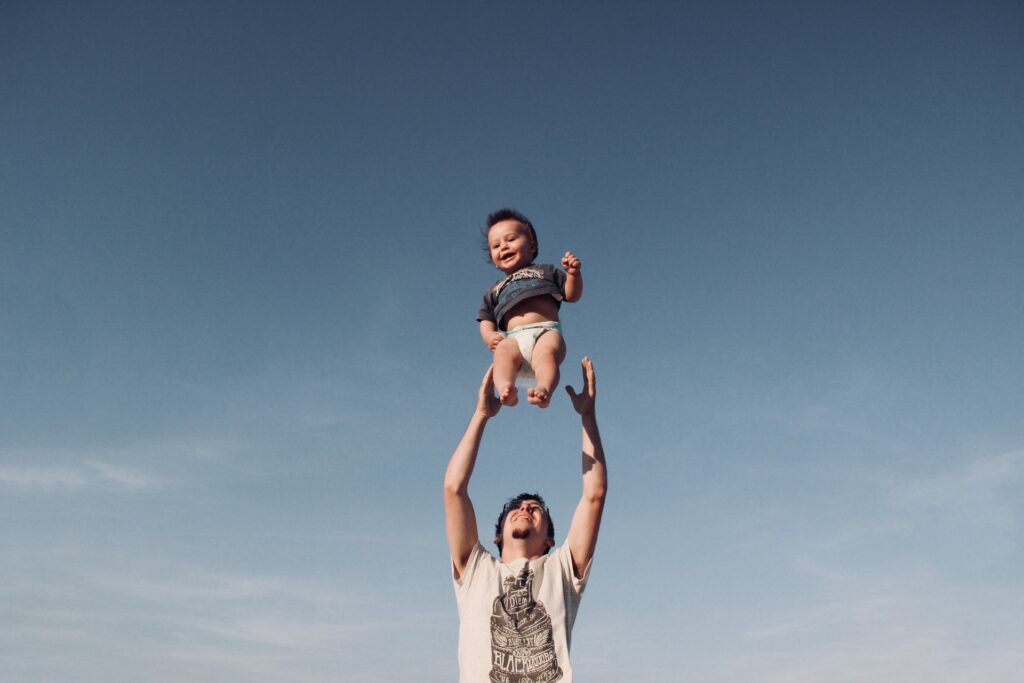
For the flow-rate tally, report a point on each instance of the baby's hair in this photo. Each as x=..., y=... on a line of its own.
x=506, y=214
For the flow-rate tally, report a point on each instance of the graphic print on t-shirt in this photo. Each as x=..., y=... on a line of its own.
x=520, y=282
x=522, y=648
x=528, y=273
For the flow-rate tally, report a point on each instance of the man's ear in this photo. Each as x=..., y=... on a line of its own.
x=549, y=542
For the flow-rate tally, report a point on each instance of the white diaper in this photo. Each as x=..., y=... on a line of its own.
x=526, y=337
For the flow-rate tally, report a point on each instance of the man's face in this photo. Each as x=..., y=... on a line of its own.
x=510, y=245
x=528, y=520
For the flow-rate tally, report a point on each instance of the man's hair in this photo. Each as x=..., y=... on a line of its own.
x=513, y=504
x=508, y=214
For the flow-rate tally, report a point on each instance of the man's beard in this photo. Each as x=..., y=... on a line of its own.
x=522, y=533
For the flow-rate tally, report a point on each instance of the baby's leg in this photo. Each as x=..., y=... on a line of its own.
x=548, y=354
x=507, y=360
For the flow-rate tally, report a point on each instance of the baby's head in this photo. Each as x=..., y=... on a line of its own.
x=511, y=240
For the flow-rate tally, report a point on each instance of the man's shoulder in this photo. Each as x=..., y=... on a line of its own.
x=479, y=560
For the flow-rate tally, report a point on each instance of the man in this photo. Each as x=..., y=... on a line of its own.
x=516, y=613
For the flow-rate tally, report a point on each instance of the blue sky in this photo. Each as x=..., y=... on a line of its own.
x=240, y=264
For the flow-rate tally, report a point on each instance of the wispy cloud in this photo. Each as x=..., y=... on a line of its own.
x=71, y=478
x=982, y=493
x=123, y=477
x=201, y=624
x=913, y=629
x=902, y=586
x=43, y=478
x=191, y=586
x=124, y=468
x=980, y=475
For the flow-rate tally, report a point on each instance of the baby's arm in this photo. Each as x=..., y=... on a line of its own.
x=489, y=333
x=573, y=277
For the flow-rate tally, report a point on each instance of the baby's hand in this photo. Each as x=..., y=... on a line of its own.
x=570, y=263
x=495, y=339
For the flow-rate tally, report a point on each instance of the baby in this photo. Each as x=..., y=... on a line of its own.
x=519, y=315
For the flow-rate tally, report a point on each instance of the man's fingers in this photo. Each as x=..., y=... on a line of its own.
x=589, y=379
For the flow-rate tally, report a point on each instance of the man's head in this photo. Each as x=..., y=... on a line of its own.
x=511, y=240
x=525, y=517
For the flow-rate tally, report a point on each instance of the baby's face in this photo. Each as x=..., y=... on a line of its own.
x=511, y=245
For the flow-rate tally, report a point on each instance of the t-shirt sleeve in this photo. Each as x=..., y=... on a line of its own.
x=566, y=566
x=486, y=311
x=462, y=582
x=558, y=275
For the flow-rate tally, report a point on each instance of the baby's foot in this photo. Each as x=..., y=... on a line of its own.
x=538, y=396
x=509, y=396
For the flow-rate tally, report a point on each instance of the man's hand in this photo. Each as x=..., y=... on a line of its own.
x=586, y=521
x=494, y=340
x=583, y=402
x=487, y=403
x=571, y=264
x=460, y=519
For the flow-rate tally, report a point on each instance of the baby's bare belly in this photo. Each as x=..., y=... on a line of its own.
x=536, y=309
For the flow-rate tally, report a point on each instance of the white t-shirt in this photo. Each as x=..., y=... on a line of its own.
x=515, y=620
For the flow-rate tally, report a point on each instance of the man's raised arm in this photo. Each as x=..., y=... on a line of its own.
x=586, y=521
x=460, y=518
